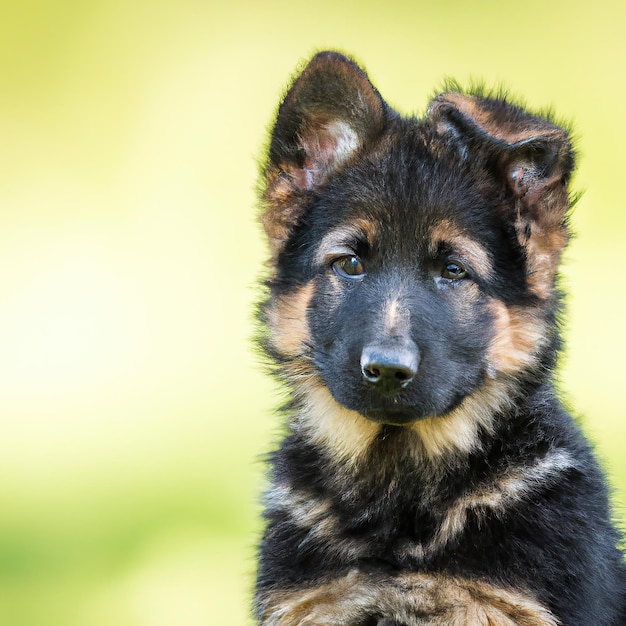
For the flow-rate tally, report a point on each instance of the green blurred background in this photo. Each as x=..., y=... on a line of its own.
x=132, y=409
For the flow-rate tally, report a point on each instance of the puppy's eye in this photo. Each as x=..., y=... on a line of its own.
x=348, y=267
x=453, y=271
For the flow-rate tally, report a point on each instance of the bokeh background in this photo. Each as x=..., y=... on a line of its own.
x=132, y=409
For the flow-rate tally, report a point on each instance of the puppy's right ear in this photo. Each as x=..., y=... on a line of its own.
x=330, y=112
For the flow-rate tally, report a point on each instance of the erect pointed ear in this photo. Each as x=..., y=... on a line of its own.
x=534, y=159
x=330, y=112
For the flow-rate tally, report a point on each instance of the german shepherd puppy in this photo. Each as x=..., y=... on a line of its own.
x=429, y=473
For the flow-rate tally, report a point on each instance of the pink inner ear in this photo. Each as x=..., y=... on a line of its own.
x=327, y=146
x=303, y=178
x=321, y=152
x=516, y=179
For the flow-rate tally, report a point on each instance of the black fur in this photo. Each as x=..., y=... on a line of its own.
x=413, y=283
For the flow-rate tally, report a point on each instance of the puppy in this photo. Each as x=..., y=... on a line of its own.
x=429, y=473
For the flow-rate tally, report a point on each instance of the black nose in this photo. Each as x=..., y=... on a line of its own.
x=390, y=367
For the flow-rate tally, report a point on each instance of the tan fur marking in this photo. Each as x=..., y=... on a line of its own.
x=470, y=251
x=514, y=485
x=396, y=318
x=543, y=253
x=316, y=517
x=367, y=228
x=344, y=433
x=336, y=241
x=277, y=227
x=471, y=107
x=542, y=231
x=348, y=435
x=519, y=335
x=283, y=209
x=287, y=321
x=458, y=432
x=305, y=509
x=411, y=599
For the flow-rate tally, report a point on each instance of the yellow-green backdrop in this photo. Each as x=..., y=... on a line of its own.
x=132, y=413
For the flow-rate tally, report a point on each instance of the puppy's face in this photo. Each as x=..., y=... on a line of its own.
x=413, y=260
x=399, y=317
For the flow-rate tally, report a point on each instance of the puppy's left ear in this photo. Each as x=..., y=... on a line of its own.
x=534, y=155
x=534, y=160
x=330, y=113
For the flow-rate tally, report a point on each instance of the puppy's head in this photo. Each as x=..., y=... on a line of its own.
x=413, y=260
